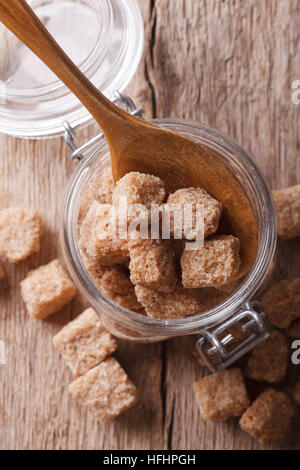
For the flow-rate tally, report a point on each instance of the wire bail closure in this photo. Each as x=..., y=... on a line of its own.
x=79, y=153
x=213, y=350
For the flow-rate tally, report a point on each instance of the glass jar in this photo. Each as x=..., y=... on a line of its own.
x=104, y=38
x=131, y=326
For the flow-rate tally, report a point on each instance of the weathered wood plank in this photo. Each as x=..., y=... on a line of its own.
x=228, y=64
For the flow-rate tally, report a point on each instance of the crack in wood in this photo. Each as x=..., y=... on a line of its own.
x=148, y=65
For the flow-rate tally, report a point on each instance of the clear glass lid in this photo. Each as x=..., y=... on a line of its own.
x=104, y=38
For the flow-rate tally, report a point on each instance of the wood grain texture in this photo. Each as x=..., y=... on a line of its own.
x=229, y=64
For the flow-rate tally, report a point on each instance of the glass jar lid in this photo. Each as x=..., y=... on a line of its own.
x=104, y=38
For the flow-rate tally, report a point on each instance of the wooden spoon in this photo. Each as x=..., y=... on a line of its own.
x=138, y=145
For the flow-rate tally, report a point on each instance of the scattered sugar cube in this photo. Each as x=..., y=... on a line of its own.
x=46, y=290
x=215, y=264
x=139, y=188
x=193, y=197
x=105, y=390
x=267, y=362
x=102, y=243
x=116, y=284
x=294, y=329
x=152, y=264
x=178, y=304
x=287, y=203
x=1, y=272
x=84, y=342
x=20, y=233
x=282, y=302
x=296, y=393
x=222, y=395
x=269, y=416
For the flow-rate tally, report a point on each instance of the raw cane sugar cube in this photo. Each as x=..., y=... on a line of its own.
x=187, y=199
x=104, y=244
x=222, y=395
x=94, y=269
x=84, y=342
x=178, y=304
x=267, y=362
x=99, y=187
x=294, y=329
x=269, y=416
x=105, y=390
x=105, y=188
x=1, y=272
x=282, y=302
x=138, y=188
x=46, y=290
x=20, y=233
x=116, y=285
x=296, y=393
x=215, y=264
x=287, y=203
x=152, y=264
x=92, y=265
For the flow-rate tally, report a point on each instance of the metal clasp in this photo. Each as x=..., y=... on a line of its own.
x=214, y=346
x=78, y=153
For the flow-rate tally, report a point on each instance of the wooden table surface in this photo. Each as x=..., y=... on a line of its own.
x=229, y=64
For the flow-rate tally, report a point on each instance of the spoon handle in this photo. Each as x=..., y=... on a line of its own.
x=19, y=17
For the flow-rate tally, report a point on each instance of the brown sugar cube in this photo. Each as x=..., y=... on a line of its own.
x=84, y=342
x=106, y=186
x=296, y=393
x=102, y=243
x=105, y=390
x=287, y=203
x=116, y=285
x=139, y=188
x=99, y=187
x=92, y=265
x=294, y=329
x=215, y=264
x=212, y=210
x=222, y=395
x=178, y=304
x=20, y=233
x=94, y=269
x=152, y=264
x=282, y=302
x=1, y=272
x=46, y=290
x=269, y=416
x=267, y=362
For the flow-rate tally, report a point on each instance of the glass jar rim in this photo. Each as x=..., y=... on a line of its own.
x=41, y=112
x=95, y=56
x=249, y=285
